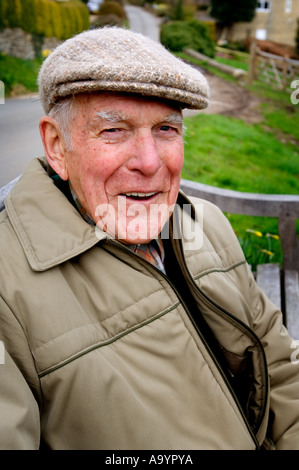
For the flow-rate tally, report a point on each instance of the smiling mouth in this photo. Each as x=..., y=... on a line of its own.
x=139, y=196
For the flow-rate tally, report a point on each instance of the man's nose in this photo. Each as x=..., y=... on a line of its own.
x=145, y=156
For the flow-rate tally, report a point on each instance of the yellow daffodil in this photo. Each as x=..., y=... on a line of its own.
x=255, y=232
x=267, y=252
x=46, y=52
x=272, y=235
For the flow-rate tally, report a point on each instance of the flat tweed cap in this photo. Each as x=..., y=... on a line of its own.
x=116, y=59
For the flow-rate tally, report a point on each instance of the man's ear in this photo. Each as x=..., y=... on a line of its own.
x=54, y=145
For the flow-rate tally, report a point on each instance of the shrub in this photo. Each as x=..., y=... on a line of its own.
x=191, y=34
x=162, y=9
x=182, y=10
x=109, y=7
x=45, y=17
x=178, y=13
x=107, y=20
x=211, y=26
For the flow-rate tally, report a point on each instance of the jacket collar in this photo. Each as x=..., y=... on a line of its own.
x=49, y=228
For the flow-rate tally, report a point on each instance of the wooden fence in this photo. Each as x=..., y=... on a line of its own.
x=278, y=72
x=232, y=54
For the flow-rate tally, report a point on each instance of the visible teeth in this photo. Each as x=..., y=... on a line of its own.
x=139, y=194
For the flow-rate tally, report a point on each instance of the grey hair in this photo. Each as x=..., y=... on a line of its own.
x=63, y=113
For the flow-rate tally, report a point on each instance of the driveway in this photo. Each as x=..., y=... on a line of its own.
x=141, y=21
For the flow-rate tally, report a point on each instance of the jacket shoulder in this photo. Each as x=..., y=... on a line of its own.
x=215, y=225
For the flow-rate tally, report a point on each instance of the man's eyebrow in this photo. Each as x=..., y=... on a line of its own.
x=111, y=116
x=116, y=116
x=174, y=118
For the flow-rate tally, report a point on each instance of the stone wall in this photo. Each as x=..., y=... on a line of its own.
x=17, y=43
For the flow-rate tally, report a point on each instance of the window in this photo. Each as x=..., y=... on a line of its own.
x=288, y=6
x=264, y=5
x=261, y=34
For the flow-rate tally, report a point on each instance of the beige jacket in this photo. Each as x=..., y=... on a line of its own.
x=102, y=352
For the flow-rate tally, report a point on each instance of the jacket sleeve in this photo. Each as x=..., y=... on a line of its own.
x=282, y=354
x=19, y=411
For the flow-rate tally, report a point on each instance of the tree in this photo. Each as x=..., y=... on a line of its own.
x=228, y=12
x=233, y=11
x=178, y=13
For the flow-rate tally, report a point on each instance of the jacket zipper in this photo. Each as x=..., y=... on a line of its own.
x=214, y=305
x=239, y=324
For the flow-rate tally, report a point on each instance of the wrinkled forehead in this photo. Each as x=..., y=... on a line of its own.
x=109, y=105
x=118, y=96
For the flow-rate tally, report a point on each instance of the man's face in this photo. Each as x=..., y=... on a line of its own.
x=125, y=163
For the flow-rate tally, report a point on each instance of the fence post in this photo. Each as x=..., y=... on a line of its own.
x=252, y=62
x=285, y=67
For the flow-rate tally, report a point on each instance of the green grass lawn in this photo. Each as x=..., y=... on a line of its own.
x=238, y=64
x=226, y=152
x=18, y=75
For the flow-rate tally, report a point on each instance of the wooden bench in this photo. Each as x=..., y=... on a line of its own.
x=281, y=284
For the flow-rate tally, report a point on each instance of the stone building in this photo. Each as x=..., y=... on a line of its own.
x=275, y=20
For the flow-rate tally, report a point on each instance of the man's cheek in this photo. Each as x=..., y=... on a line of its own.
x=176, y=163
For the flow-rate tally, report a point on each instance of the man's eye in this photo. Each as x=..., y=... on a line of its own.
x=113, y=129
x=112, y=133
x=169, y=129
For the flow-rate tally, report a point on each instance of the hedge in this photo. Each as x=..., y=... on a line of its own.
x=109, y=7
x=192, y=34
x=45, y=17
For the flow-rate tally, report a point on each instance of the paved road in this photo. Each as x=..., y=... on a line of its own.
x=143, y=22
x=19, y=134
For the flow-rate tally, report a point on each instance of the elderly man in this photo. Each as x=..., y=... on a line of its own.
x=129, y=316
